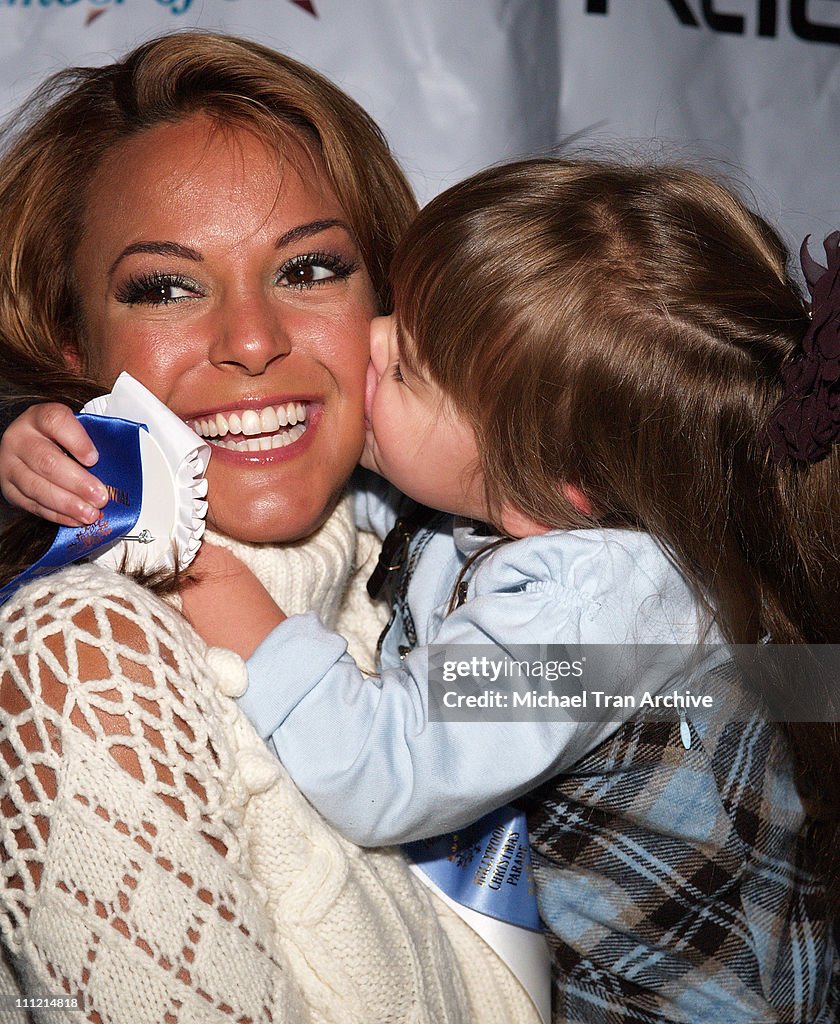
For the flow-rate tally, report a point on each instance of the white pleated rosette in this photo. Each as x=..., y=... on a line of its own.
x=173, y=505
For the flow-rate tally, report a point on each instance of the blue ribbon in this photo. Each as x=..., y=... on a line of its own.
x=486, y=867
x=120, y=469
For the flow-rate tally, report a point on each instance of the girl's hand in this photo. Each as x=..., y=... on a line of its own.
x=226, y=604
x=38, y=476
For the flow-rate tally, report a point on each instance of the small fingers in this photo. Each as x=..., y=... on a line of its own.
x=61, y=507
x=48, y=463
x=58, y=423
x=48, y=480
x=38, y=475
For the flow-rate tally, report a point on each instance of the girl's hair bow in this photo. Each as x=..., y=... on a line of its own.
x=806, y=423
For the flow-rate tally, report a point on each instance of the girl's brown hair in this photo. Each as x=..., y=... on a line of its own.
x=623, y=329
x=61, y=135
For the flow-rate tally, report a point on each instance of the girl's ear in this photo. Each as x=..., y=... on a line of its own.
x=517, y=523
x=577, y=499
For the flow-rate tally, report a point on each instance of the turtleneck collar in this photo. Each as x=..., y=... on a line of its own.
x=310, y=574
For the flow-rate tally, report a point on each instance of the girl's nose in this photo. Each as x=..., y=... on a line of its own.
x=251, y=337
x=380, y=329
x=371, y=382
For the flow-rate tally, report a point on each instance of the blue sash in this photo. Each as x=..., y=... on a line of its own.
x=120, y=469
x=486, y=867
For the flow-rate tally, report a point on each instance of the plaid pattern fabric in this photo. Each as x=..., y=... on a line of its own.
x=674, y=881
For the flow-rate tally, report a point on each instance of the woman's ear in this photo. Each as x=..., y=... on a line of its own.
x=71, y=355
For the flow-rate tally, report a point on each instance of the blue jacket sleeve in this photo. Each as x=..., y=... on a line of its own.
x=363, y=750
x=376, y=503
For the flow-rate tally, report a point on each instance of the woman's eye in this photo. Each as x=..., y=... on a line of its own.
x=161, y=294
x=156, y=290
x=306, y=274
x=314, y=269
x=396, y=372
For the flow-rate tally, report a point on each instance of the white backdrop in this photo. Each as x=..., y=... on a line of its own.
x=766, y=107
x=458, y=84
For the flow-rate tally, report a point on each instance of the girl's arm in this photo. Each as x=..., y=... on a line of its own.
x=213, y=599
x=364, y=751
x=37, y=472
x=368, y=752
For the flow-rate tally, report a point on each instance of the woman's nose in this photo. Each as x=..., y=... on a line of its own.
x=251, y=336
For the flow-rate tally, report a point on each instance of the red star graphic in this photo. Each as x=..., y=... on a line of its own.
x=307, y=6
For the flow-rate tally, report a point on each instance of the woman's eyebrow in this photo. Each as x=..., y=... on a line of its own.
x=158, y=249
x=312, y=228
x=294, y=234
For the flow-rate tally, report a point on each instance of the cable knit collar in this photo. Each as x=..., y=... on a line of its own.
x=311, y=573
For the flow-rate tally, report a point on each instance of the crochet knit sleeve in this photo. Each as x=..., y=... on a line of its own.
x=124, y=885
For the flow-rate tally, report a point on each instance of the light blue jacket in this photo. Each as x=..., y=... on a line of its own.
x=364, y=751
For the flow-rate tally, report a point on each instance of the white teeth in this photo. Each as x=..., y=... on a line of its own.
x=268, y=421
x=250, y=423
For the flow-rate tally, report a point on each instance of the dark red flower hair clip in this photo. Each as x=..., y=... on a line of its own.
x=806, y=423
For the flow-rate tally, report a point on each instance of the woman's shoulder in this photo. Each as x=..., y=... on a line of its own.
x=84, y=589
x=99, y=658
x=85, y=623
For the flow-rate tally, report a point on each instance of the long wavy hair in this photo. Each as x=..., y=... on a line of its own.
x=56, y=141
x=624, y=329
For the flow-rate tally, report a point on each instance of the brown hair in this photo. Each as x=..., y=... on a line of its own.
x=623, y=329
x=60, y=136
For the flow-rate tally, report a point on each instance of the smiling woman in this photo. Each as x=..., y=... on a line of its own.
x=251, y=296
x=228, y=246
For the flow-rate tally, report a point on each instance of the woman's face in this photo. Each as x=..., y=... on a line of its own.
x=234, y=290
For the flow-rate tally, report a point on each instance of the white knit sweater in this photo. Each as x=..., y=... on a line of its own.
x=198, y=885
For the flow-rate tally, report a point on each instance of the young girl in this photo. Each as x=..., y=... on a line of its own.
x=611, y=368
